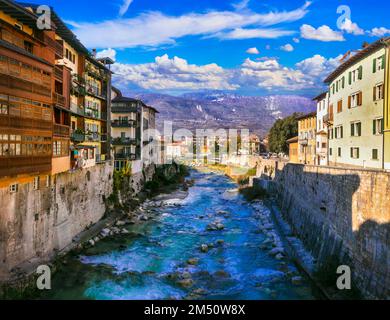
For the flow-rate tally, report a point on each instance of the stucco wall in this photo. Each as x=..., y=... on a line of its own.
x=341, y=214
x=35, y=224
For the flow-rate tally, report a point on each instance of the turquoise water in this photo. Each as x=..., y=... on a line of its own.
x=152, y=261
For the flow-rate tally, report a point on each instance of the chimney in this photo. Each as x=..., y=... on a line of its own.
x=365, y=44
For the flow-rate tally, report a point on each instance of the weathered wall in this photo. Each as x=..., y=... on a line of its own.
x=341, y=214
x=35, y=224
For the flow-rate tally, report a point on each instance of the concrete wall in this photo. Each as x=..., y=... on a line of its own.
x=340, y=214
x=36, y=224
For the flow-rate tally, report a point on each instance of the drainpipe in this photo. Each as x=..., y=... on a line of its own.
x=385, y=101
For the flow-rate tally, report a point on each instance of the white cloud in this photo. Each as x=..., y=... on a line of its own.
x=124, y=7
x=172, y=74
x=254, y=33
x=287, y=47
x=323, y=33
x=351, y=27
x=379, y=32
x=110, y=53
x=253, y=50
x=296, y=40
x=243, y=4
x=268, y=47
x=270, y=75
x=156, y=28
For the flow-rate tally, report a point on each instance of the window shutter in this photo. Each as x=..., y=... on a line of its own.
x=351, y=152
x=359, y=129
x=374, y=127
x=343, y=81
x=382, y=126
x=349, y=102
x=360, y=98
x=342, y=133
x=374, y=94
x=360, y=75
x=350, y=78
x=352, y=129
x=374, y=65
x=358, y=152
x=383, y=61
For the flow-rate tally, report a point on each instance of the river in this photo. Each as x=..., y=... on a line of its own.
x=163, y=258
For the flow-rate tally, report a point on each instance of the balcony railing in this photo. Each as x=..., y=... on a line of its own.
x=24, y=165
x=25, y=123
x=93, y=137
x=123, y=123
x=124, y=141
x=59, y=99
x=77, y=137
x=61, y=130
x=124, y=109
x=125, y=156
x=328, y=119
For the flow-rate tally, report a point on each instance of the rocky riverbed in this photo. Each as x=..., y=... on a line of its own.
x=204, y=243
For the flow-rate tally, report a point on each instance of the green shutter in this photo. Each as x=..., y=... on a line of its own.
x=374, y=65
x=360, y=73
x=352, y=129
x=351, y=152
x=359, y=129
x=350, y=78
x=343, y=82
x=342, y=133
x=358, y=153
x=383, y=61
x=373, y=127
x=382, y=126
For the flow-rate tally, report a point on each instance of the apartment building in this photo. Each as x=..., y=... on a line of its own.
x=386, y=118
x=126, y=124
x=27, y=57
x=307, y=129
x=322, y=129
x=356, y=103
x=149, y=136
x=293, y=146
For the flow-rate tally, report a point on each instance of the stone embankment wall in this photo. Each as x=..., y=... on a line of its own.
x=37, y=224
x=342, y=216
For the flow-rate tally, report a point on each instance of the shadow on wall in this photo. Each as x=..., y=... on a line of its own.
x=343, y=218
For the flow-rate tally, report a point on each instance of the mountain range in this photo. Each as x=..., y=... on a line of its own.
x=216, y=110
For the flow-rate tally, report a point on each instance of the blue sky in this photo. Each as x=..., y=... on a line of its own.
x=254, y=47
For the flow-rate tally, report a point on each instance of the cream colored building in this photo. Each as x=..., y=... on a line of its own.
x=356, y=109
x=322, y=129
x=307, y=139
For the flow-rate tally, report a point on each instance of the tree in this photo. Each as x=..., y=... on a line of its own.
x=282, y=130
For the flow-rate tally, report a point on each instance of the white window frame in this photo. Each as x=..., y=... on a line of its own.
x=14, y=188
x=379, y=93
x=378, y=125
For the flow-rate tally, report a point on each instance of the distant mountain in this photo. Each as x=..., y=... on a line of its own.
x=217, y=110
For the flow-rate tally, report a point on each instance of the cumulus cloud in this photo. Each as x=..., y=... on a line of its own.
x=243, y=4
x=287, y=47
x=323, y=33
x=296, y=40
x=253, y=50
x=107, y=53
x=172, y=74
x=124, y=7
x=351, y=28
x=379, y=32
x=156, y=28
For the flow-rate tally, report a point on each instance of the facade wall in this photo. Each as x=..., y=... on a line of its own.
x=36, y=224
x=346, y=219
x=387, y=113
x=366, y=113
x=307, y=140
x=322, y=133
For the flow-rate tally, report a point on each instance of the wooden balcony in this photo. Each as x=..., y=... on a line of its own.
x=60, y=130
x=55, y=45
x=59, y=99
x=59, y=73
x=123, y=123
x=12, y=166
x=7, y=121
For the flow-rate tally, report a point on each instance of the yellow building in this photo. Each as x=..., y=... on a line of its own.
x=307, y=127
x=293, y=150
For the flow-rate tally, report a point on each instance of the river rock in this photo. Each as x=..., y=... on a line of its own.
x=96, y=239
x=143, y=218
x=279, y=256
x=220, y=242
x=125, y=231
x=91, y=242
x=220, y=226
x=204, y=248
x=105, y=232
x=120, y=223
x=193, y=261
x=222, y=274
x=186, y=283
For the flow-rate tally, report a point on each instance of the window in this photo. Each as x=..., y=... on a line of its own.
x=377, y=127
x=355, y=75
x=378, y=92
x=355, y=100
x=355, y=153
x=339, y=132
x=47, y=181
x=339, y=152
x=3, y=108
x=379, y=64
x=356, y=129
x=13, y=188
x=36, y=183
x=28, y=46
x=330, y=151
x=339, y=106
x=375, y=154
